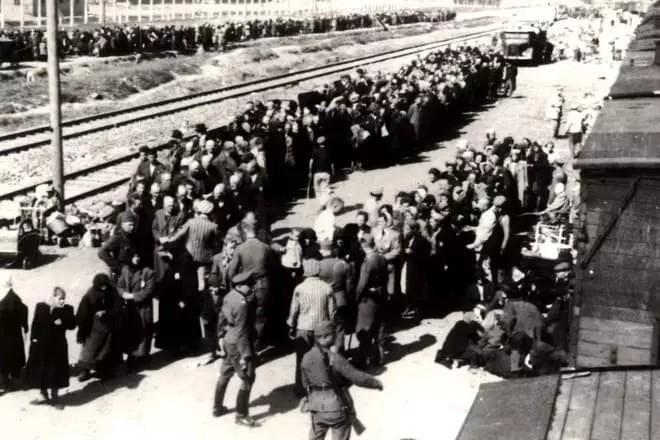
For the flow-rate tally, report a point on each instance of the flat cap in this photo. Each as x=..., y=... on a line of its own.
x=242, y=278
x=205, y=207
x=564, y=266
x=129, y=217
x=311, y=268
x=324, y=328
x=376, y=192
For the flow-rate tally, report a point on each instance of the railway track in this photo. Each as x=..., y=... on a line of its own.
x=102, y=177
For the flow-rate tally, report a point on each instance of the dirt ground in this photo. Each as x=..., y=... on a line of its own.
x=421, y=400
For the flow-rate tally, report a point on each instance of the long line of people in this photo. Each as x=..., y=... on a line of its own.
x=132, y=39
x=197, y=225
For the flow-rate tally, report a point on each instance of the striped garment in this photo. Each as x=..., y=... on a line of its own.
x=201, y=234
x=312, y=303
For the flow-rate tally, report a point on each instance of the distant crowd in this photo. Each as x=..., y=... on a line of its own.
x=133, y=39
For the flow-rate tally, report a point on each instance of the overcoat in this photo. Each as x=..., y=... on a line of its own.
x=48, y=361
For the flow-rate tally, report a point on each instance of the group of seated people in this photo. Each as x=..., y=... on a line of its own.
x=133, y=39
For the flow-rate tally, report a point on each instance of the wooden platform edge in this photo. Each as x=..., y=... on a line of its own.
x=550, y=415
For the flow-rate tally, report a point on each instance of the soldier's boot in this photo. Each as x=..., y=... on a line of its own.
x=242, y=409
x=220, y=389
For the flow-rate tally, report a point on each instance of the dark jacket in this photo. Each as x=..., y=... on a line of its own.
x=48, y=362
x=13, y=321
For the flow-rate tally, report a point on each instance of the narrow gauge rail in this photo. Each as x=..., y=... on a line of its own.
x=102, y=177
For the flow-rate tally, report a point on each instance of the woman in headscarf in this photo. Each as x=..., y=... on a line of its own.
x=99, y=323
x=48, y=362
x=13, y=323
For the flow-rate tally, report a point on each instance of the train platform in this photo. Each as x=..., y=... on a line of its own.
x=421, y=400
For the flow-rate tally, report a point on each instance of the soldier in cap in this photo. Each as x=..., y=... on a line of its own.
x=370, y=296
x=327, y=375
x=118, y=251
x=237, y=335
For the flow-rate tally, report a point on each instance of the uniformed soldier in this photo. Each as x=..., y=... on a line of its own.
x=327, y=376
x=236, y=330
x=370, y=296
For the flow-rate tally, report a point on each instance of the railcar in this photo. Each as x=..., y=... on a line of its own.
x=617, y=306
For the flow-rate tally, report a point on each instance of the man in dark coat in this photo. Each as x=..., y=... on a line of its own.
x=370, y=297
x=48, y=362
x=136, y=285
x=99, y=323
x=236, y=330
x=13, y=322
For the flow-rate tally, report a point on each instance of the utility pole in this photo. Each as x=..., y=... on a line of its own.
x=54, y=97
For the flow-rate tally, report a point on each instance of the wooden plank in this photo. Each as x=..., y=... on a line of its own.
x=645, y=342
x=625, y=259
x=589, y=362
x=609, y=406
x=637, y=406
x=636, y=335
x=624, y=355
x=519, y=409
x=581, y=408
x=560, y=410
x=618, y=314
x=606, y=295
x=613, y=328
x=634, y=356
x=655, y=404
x=595, y=350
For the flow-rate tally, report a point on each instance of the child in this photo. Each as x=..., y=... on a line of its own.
x=293, y=254
x=48, y=362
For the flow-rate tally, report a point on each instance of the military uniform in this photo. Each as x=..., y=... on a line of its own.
x=370, y=296
x=328, y=409
x=236, y=325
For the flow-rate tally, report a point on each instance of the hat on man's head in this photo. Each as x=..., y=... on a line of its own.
x=378, y=192
x=204, y=207
x=311, y=268
x=144, y=149
x=176, y=134
x=564, y=266
x=324, y=328
x=242, y=278
x=129, y=217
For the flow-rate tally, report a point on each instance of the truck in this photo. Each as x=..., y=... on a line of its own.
x=526, y=45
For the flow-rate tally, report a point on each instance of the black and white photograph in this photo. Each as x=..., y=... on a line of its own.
x=330, y=219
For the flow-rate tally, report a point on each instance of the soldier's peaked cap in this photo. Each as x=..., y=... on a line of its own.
x=324, y=328
x=242, y=278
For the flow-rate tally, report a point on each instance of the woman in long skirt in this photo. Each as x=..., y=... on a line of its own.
x=48, y=361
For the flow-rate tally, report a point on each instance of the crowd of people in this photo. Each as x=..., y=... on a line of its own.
x=195, y=233
x=134, y=39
